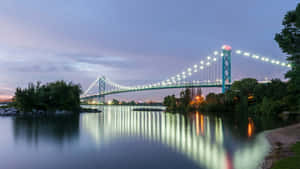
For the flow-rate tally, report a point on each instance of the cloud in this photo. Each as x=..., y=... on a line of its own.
x=127, y=40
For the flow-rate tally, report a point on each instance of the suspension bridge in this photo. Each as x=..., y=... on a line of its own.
x=217, y=74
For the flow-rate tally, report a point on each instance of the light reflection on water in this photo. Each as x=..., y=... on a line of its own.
x=122, y=138
x=203, y=139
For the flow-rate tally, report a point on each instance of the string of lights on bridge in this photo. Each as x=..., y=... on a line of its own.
x=264, y=59
x=176, y=79
x=180, y=78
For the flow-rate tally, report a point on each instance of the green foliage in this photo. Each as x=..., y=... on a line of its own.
x=49, y=97
x=269, y=106
x=292, y=162
x=185, y=98
x=170, y=103
x=244, y=86
x=181, y=104
x=115, y=102
x=289, y=41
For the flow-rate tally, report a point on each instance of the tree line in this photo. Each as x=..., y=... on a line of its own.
x=49, y=97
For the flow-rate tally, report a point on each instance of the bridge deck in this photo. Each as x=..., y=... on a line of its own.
x=195, y=85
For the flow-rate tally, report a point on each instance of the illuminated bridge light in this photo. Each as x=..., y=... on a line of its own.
x=195, y=70
x=238, y=52
x=263, y=59
x=221, y=54
x=289, y=65
x=215, y=59
x=226, y=47
x=267, y=59
x=190, y=74
x=207, y=63
x=246, y=54
x=195, y=66
x=183, y=73
x=201, y=67
x=282, y=64
x=202, y=62
x=272, y=61
x=216, y=52
x=277, y=62
x=208, y=57
x=189, y=69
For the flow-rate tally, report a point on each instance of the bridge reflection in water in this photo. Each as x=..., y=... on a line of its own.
x=203, y=139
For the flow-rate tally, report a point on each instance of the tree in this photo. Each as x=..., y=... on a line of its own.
x=115, y=102
x=244, y=86
x=289, y=41
x=170, y=103
x=211, y=98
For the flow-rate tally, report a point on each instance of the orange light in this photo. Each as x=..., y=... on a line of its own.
x=197, y=97
x=250, y=127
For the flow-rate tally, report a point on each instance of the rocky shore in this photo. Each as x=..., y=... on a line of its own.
x=281, y=140
x=10, y=111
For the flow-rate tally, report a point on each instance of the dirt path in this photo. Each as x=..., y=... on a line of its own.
x=281, y=140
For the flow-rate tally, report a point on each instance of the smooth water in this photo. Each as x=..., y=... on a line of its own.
x=122, y=138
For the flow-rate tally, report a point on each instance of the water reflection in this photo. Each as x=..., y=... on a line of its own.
x=203, y=139
x=57, y=129
x=250, y=127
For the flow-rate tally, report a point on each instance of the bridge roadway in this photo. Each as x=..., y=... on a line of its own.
x=173, y=86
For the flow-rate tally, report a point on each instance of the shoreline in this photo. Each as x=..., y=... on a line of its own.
x=11, y=111
x=281, y=140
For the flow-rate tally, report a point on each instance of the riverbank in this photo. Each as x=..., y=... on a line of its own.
x=281, y=141
x=11, y=111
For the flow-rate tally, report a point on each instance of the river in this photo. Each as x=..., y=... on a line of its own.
x=122, y=138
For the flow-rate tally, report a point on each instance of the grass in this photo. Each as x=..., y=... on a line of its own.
x=292, y=162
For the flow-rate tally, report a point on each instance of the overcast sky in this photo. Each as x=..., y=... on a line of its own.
x=131, y=41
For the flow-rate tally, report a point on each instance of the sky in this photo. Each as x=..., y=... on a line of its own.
x=132, y=41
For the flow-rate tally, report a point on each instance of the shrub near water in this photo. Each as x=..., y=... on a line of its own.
x=292, y=162
x=49, y=97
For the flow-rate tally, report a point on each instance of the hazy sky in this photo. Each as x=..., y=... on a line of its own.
x=130, y=40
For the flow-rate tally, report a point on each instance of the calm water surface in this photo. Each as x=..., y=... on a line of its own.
x=123, y=138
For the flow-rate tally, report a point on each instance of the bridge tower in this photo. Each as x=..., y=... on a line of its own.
x=102, y=84
x=226, y=68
